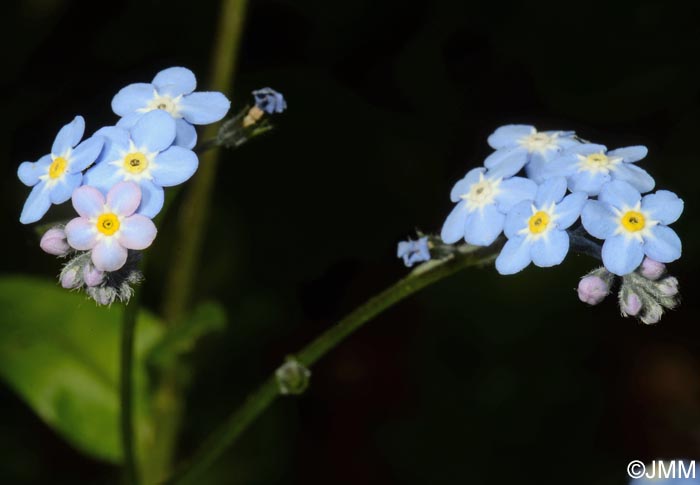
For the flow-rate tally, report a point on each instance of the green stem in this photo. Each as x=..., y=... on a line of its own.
x=127, y=359
x=266, y=394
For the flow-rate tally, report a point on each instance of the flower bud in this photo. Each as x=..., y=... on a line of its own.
x=104, y=295
x=92, y=276
x=70, y=278
x=652, y=270
x=592, y=289
x=631, y=306
x=292, y=377
x=668, y=286
x=54, y=242
x=652, y=314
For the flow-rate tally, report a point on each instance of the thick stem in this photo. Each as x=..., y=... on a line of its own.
x=266, y=394
x=126, y=384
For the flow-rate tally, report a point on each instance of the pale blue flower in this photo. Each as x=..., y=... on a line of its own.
x=519, y=146
x=143, y=154
x=483, y=198
x=269, y=100
x=55, y=176
x=536, y=230
x=588, y=167
x=172, y=92
x=633, y=226
x=413, y=252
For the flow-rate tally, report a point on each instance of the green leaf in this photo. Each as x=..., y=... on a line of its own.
x=60, y=353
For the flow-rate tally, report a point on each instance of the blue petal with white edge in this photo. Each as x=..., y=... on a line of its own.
x=514, y=257
x=513, y=191
x=152, y=199
x=68, y=136
x=619, y=194
x=663, y=245
x=569, y=209
x=635, y=176
x=463, y=185
x=453, y=228
x=551, y=191
x=507, y=136
x=29, y=172
x=132, y=98
x=185, y=134
x=588, y=182
x=85, y=154
x=507, y=161
x=630, y=154
x=550, y=250
x=622, y=254
x=174, y=166
x=663, y=206
x=175, y=81
x=36, y=205
x=599, y=219
x=155, y=131
x=63, y=190
x=204, y=108
x=483, y=226
x=517, y=218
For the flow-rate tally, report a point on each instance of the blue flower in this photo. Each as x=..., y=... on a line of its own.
x=413, y=252
x=171, y=91
x=536, y=230
x=269, y=100
x=633, y=226
x=483, y=200
x=143, y=155
x=588, y=167
x=55, y=176
x=518, y=145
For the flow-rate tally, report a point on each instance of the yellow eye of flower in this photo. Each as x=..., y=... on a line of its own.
x=108, y=224
x=135, y=162
x=597, y=159
x=633, y=221
x=57, y=168
x=538, y=222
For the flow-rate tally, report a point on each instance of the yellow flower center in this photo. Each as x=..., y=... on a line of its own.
x=597, y=160
x=108, y=224
x=538, y=222
x=135, y=162
x=57, y=168
x=633, y=221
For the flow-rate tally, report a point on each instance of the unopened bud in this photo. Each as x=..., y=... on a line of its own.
x=652, y=270
x=70, y=278
x=631, y=305
x=668, y=286
x=292, y=377
x=103, y=295
x=652, y=314
x=93, y=276
x=54, y=242
x=592, y=289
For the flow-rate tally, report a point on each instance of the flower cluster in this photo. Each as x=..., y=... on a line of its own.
x=116, y=178
x=550, y=191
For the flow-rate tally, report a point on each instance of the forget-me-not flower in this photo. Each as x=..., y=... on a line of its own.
x=522, y=145
x=536, y=230
x=172, y=92
x=633, y=226
x=55, y=176
x=413, y=252
x=269, y=100
x=109, y=227
x=145, y=155
x=484, y=197
x=588, y=167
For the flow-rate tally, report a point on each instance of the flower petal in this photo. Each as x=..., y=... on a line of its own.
x=588, y=182
x=599, y=219
x=506, y=162
x=204, y=107
x=132, y=97
x=630, y=154
x=175, y=81
x=508, y=135
x=514, y=257
x=102, y=176
x=619, y=194
x=463, y=185
x=152, y=199
x=68, y=136
x=86, y=153
x=635, y=176
x=81, y=234
x=109, y=255
x=663, y=245
x=663, y=206
x=453, y=228
x=36, y=205
x=586, y=149
x=514, y=191
x=550, y=250
x=29, y=172
x=482, y=227
x=517, y=218
x=124, y=198
x=551, y=191
x=154, y=131
x=622, y=254
x=63, y=190
x=88, y=201
x=137, y=232
x=185, y=134
x=174, y=166
x=569, y=209
x=129, y=120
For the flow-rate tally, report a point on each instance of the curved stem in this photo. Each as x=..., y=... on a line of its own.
x=126, y=385
x=265, y=395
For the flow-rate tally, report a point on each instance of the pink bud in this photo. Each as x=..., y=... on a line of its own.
x=631, y=306
x=54, y=242
x=70, y=279
x=669, y=286
x=92, y=276
x=652, y=270
x=592, y=290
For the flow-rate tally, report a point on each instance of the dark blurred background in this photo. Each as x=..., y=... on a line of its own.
x=479, y=379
